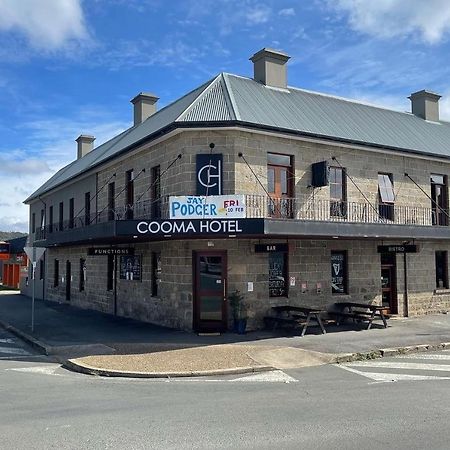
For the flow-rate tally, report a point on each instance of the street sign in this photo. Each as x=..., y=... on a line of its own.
x=397, y=249
x=34, y=253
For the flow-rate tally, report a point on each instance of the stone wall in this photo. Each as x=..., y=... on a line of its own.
x=309, y=262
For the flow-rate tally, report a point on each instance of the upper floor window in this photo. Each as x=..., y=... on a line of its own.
x=338, y=192
x=61, y=216
x=71, y=212
x=50, y=219
x=33, y=222
x=42, y=219
x=386, y=196
x=87, y=208
x=156, y=192
x=439, y=199
x=280, y=185
x=129, y=193
x=111, y=200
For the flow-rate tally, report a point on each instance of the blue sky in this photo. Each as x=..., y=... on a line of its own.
x=71, y=66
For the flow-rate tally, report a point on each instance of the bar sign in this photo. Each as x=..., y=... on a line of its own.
x=270, y=248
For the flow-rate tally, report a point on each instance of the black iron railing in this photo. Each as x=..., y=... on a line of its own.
x=258, y=206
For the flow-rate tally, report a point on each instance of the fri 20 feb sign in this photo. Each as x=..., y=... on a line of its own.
x=211, y=207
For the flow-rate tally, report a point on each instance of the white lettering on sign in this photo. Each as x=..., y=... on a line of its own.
x=201, y=207
x=186, y=227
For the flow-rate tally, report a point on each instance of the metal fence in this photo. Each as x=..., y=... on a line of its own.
x=258, y=206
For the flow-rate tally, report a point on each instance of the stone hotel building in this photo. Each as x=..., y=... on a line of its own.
x=289, y=196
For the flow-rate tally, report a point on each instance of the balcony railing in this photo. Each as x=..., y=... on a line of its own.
x=258, y=206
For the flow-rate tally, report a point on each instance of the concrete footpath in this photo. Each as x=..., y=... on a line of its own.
x=101, y=344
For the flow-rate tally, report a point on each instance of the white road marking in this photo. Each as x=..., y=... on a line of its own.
x=400, y=365
x=44, y=370
x=390, y=377
x=7, y=341
x=12, y=350
x=274, y=376
x=425, y=356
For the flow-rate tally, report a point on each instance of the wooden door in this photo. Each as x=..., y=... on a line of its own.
x=210, y=284
x=389, y=286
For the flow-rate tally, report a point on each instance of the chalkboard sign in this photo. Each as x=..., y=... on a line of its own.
x=130, y=268
x=277, y=274
x=338, y=273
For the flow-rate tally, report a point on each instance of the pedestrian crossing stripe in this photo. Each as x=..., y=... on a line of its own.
x=13, y=350
x=44, y=370
x=390, y=377
x=274, y=376
x=418, y=362
x=403, y=365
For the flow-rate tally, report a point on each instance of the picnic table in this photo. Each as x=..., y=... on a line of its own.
x=359, y=312
x=294, y=316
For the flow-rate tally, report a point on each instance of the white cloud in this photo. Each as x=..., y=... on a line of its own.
x=257, y=15
x=51, y=146
x=444, y=106
x=429, y=19
x=47, y=24
x=287, y=12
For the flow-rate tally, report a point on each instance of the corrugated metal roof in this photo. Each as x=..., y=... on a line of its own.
x=233, y=98
x=319, y=114
x=213, y=105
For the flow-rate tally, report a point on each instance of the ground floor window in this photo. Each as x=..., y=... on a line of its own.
x=41, y=269
x=156, y=272
x=82, y=273
x=278, y=286
x=339, y=283
x=441, y=270
x=56, y=273
x=110, y=273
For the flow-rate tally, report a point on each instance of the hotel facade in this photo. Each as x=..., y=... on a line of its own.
x=289, y=196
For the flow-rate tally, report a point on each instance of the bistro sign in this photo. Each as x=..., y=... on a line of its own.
x=194, y=227
x=397, y=249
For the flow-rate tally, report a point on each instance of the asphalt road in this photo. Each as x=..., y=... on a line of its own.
x=44, y=406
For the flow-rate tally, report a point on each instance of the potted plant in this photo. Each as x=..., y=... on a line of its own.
x=239, y=308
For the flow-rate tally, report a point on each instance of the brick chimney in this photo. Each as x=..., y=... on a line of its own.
x=425, y=104
x=144, y=106
x=269, y=67
x=85, y=144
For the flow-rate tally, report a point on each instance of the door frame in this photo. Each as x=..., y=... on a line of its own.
x=213, y=326
x=393, y=304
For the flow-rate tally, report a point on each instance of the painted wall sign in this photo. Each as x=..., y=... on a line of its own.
x=211, y=207
x=98, y=251
x=338, y=273
x=130, y=268
x=189, y=227
x=269, y=248
x=209, y=174
x=397, y=249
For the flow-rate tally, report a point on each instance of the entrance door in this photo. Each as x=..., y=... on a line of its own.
x=210, y=308
x=389, y=282
x=68, y=279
